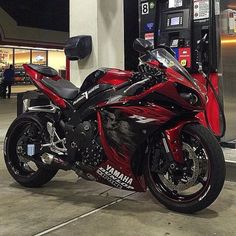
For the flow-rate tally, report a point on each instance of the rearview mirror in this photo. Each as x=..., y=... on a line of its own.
x=78, y=48
x=142, y=45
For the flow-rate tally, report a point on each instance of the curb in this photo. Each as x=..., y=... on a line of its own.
x=231, y=171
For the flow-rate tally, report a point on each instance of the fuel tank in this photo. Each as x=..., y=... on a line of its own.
x=115, y=77
x=106, y=76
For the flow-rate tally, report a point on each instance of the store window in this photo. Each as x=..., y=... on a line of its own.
x=6, y=59
x=39, y=57
x=57, y=60
x=19, y=56
x=22, y=56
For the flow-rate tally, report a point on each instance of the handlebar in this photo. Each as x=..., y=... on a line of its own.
x=132, y=85
x=119, y=87
x=138, y=84
x=139, y=79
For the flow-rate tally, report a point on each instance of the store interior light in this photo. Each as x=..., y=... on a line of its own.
x=232, y=6
x=21, y=47
x=228, y=41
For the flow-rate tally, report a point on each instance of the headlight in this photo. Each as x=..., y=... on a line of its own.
x=189, y=95
x=190, y=98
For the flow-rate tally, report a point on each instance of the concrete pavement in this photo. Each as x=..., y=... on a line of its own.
x=72, y=206
x=7, y=115
x=68, y=206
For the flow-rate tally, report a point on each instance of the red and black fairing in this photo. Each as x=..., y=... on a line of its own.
x=125, y=126
x=122, y=131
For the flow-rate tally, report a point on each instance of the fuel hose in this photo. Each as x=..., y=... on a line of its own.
x=221, y=109
x=212, y=22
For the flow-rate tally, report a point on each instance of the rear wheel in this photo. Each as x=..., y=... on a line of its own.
x=26, y=130
x=194, y=185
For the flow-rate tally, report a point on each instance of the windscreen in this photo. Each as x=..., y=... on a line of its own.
x=167, y=60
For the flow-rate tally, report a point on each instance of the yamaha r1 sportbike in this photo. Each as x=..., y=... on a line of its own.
x=129, y=130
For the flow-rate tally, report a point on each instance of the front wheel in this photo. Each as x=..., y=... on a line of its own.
x=194, y=185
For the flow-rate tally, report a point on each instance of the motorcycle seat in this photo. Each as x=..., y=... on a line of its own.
x=64, y=88
x=44, y=70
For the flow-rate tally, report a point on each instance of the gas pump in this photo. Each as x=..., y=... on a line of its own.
x=189, y=27
x=175, y=29
x=147, y=22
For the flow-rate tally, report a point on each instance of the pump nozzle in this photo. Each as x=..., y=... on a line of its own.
x=201, y=42
x=200, y=47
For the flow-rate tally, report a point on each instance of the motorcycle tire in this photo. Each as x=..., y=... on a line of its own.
x=214, y=183
x=26, y=178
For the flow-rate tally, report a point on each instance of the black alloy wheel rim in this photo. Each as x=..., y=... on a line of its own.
x=204, y=182
x=18, y=166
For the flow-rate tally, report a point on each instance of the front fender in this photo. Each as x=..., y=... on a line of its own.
x=173, y=139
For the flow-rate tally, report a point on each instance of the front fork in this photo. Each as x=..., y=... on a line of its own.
x=172, y=141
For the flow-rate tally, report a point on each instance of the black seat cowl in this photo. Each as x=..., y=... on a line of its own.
x=63, y=88
x=44, y=70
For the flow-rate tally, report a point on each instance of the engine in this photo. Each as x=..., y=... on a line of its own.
x=83, y=144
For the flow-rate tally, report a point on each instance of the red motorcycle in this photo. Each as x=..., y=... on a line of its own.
x=129, y=130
